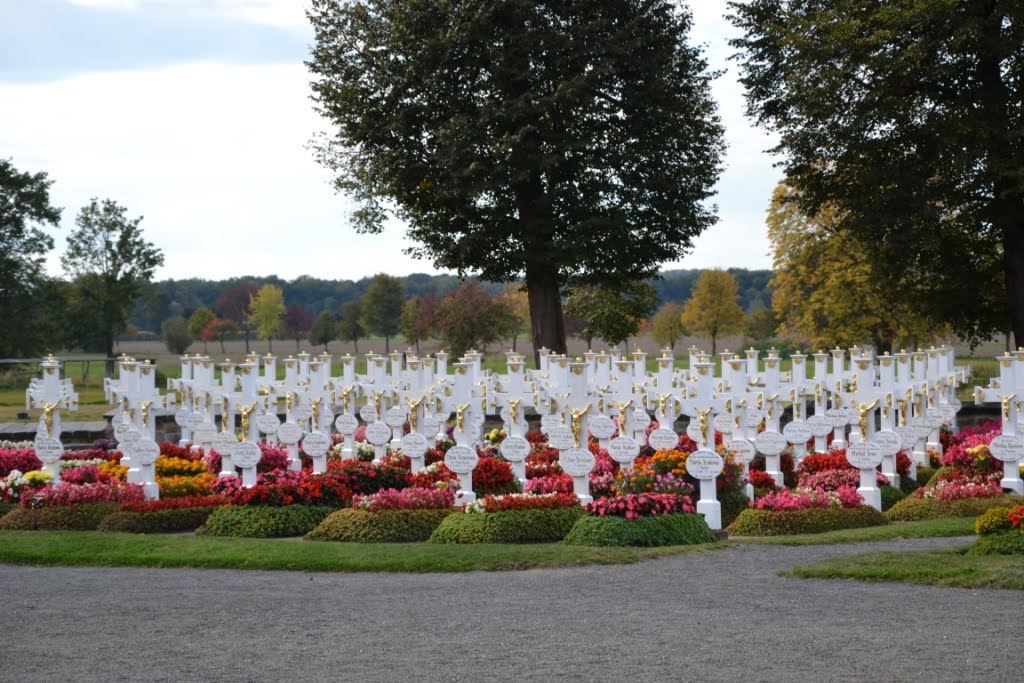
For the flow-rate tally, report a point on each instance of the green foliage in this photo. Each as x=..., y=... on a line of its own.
x=511, y=526
x=381, y=309
x=176, y=335
x=257, y=521
x=890, y=496
x=612, y=314
x=925, y=474
x=384, y=526
x=417, y=319
x=158, y=521
x=911, y=508
x=111, y=265
x=349, y=327
x=522, y=138
x=659, y=530
x=266, y=312
x=753, y=522
x=197, y=323
x=911, y=133
x=908, y=485
x=25, y=210
x=713, y=309
x=733, y=503
x=992, y=520
x=80, y=517
x=469, y=318
x=999, y=543
x=324, y=330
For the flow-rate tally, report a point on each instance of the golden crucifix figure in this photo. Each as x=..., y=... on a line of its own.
x=1006, y=404
x=245, y=413
x=378, y=396
x=865, y=409
x=902, y=403
x=314, y=403
x=702, y=422
x=663, y=404
x=513, y=408
x=414, y=407
x=344, y=398
x=575, y=426
x=48, y=409
x=622, y=415
x=460, y=415
x=144, y=407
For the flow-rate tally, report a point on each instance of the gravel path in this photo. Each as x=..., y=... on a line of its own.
x=720, y=615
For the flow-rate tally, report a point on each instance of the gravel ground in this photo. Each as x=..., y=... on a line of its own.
x=721, y=615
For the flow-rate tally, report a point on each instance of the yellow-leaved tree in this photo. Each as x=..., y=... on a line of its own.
x=266, y=313
x=713, y=308
x=826, y=292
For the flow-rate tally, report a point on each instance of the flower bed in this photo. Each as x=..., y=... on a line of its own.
x=1000, y=532
x=382, y=526
x=913, y=508
x=405, y=499
x=786, y=500
x=635, y=505
x=660, y=530
x=252, y=521
x=765, y=522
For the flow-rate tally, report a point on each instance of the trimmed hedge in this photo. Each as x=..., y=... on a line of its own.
x=890, y=496
x=383, y=526
x=915, y=509
x=78, y=517
x=814, y=521
x=925, y=474
x=158, y=521
x=257, y=521
x=732, y=505
x=510, y=526
x=993, y=520
x=999, y=543
x=908, y=485
x=658, y=530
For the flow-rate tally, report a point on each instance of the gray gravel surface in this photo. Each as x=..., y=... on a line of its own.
x=719, y=615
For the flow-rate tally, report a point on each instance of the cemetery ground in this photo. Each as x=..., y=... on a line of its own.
x=721, y=615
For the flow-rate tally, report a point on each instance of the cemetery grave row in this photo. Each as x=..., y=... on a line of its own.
x=873, y=407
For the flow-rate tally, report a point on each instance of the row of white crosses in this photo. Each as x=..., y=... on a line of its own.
x=50, y=394
x=136, y=399
x=1008, y=391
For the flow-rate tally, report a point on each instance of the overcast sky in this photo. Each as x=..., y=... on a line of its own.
x=195, y=114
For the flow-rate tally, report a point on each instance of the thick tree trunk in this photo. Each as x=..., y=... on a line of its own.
x=546, y=320
x=1013, y=259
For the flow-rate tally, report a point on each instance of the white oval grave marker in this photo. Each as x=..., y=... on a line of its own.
x=394, y=417
x=770, y=443
x=742, y=450
x=641, y=420
x=49, y=450
x=865, y=455
x=346, y=424
x=704, y=464
x=429, y=426
x=515, y=448
x=838, y=417
x=316, y=444
x=224, y=443
x=623, y=449
x=725, y=423
x=1007, y=447
x=578, y=462
x=602, y=427
x=289, y=433
x=888, y=440
x=145, y=452
x=268, y=423
x=368, y=413
x=561, y=437
x=246, y=454
x=414, y=445
x=204, y=433
x=182, y=417
x=820, y=425
x=797, y=432
x=461, y=459
x=378, y=433
x=663, y=439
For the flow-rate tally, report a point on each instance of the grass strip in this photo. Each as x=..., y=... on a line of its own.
x=107, y=549
x=931, y=528
x=946, y=568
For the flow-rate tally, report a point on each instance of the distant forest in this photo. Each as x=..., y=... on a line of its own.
x=169, y=298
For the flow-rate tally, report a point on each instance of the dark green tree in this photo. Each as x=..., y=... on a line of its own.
x=562, y=142
x=176, y=334
x=611, y=314
x=349, y=327
x=323, y=330
x=906, y=116
x=382, y=308
x=470, y=317
x=111, y=264
x=25, y=210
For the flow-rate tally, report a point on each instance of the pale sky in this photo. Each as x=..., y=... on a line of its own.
x=195, y=114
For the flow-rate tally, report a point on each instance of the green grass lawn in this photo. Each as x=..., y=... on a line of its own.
x=931, y=528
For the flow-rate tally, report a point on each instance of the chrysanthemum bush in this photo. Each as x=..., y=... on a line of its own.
x=1000, y=531
x=635, y=505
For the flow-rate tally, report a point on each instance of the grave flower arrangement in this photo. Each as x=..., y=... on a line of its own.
x=634, y=505
x=844, y=496
x=110, y=491
x=494, y=475
x=21, y=458
x=522, y=501
x=436, y=476
x=413, y=498
x=1000, y=531
x=16, y=483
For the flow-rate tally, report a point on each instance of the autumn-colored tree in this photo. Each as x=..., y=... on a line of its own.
x=667, y=325
x=233, y=304
x=469, y=317
x=713, y=308
x=297, y=323
x=826, y=289
x=515, y=298
x=220, y=329
x=198, y=322
x=266, y=313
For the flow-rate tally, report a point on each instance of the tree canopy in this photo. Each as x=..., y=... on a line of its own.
x=611, y=314
x=714, y=308
x=562, y=142
x=906, y=117
x=382, y=308
x=266, y=313
x=25, y=210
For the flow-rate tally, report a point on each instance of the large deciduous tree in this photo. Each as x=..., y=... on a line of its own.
x=906, y=116
x=611, y=314
x=667, y=324
x=564, y=142
x=266, y=313
x=469, y=317
x=25, y=210
x=827, y=290
x=713, y=309
x=111, y=264
x=297, y=323
x=349, y=327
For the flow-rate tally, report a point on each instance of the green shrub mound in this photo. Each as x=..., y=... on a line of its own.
x=908, y=485
x=815, y=521
x=158, y=521
x=925, y=474
x=999, y=543
x=916, y=509
x=659, y=530
x=384, y=526
x=252, y=521
x=80, y=517
x=890, y=496
x=732, y=505
x=509, y=526
x=6, y=506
